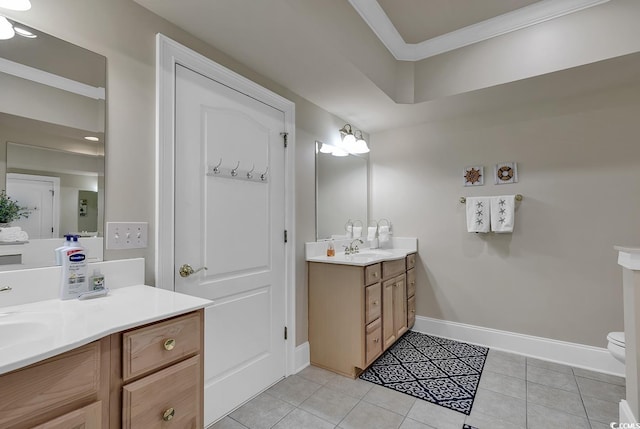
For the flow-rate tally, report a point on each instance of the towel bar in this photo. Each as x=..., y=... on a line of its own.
x=519, y=197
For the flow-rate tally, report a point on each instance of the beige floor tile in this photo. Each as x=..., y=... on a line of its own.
x=389, y=399
x=228, y=423
x=368, y=416
x=317, y=375
x=356, y=388
x=601, y=390
x=299, y=419
x=436, y=416
x=558, y=399
x=551, y=378
x=501, y=383
x=540, y=417
x=293, y=389
x=329, y=405
x=262, y=412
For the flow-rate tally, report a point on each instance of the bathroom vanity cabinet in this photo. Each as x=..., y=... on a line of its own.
x=141, y=377
x=357, y=312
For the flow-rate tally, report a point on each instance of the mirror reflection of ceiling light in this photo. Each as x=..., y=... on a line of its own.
x=6, y=29
x=92, y=138
x=24, y=33
x=20, y=5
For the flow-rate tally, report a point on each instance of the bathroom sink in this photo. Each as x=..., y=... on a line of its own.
x=20, y=328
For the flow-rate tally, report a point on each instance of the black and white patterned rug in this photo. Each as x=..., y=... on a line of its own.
x=442, y=371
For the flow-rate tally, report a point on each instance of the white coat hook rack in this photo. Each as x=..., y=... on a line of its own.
x=237, y=173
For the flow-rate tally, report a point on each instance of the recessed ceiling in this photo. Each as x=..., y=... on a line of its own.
x=450, y=33
x=326, y=53
x=420, y=20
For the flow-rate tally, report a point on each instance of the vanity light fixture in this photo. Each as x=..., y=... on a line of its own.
x=360, y=146
x=333, y=150
x=92, y=138
x=353, y=142
x=6, y=29
x=20, y=5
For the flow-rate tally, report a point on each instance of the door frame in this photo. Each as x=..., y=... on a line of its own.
x=169, y=53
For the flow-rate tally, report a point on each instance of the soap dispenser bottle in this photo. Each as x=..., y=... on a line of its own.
x=331, y=250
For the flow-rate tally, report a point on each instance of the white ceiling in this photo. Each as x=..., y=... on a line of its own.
x=325, y=52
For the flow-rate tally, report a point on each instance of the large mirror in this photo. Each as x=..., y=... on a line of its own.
x=52, y=141
x=341, y=193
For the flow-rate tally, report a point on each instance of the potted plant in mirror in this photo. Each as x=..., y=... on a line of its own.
x=10, y=210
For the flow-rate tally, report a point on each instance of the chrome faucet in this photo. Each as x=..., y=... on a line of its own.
x=351, y=249
x=5, y=289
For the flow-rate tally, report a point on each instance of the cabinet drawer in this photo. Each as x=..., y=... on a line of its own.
x=411, y=261
x=61, y=383
x=374, y=341
x=372, y=274
x=151, y=347
x=411, y=312
x=411, y=282
x=373, y=303
x=393, y=268
x=88, y=417
x=167, y=398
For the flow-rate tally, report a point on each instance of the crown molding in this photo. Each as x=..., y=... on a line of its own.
x=50, y=79
x=377, y=19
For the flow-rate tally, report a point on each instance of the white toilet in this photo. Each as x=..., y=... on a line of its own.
x=616, y=345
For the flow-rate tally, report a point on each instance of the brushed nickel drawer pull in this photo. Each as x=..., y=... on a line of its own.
x=169, y=344
x=168, y=414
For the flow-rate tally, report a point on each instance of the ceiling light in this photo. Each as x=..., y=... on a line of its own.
x=92, y=138
x=20, y=5
x=24, y=33
x=6, y=29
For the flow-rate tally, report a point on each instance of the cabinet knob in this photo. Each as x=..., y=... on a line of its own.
x=412, y=283
x=376, y=302
x=413, y=311
x=376, y=340
x=168, y=414
x=169, y=345
x=375, y=274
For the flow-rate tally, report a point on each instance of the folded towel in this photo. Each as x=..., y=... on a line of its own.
x=349, y=231
x=371, y=233
x=357, y=231
x=383, y=233
x=503, y=213
x=11, y=229
x=478, y=218
x=13, y=235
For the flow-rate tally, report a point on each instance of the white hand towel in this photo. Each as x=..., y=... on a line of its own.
x=478, y=218
x=371, y=233
x=503, y=213
x=22, y=236
x=383, y=233
x=357, y=231
x=349, y=231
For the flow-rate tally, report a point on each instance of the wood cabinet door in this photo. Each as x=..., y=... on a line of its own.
x=400, y=305
x=388, y=330
x=88, y=417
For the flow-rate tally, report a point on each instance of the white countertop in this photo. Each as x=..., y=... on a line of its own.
x=61, y=326
x=363, y=257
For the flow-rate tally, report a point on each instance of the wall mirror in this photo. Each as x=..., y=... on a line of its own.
x=52, y=143
x=341, y=192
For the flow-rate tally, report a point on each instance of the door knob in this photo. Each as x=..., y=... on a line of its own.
x=186, y=270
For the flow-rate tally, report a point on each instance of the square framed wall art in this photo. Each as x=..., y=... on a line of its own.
x=473, y=176
x=506, y=172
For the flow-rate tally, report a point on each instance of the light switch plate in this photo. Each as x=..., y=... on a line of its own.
x=127, y=235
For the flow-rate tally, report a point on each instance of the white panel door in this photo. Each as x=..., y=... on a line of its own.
x=234, y=228
x=38, y=195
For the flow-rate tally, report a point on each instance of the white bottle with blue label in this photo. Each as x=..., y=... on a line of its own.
x=74, y=271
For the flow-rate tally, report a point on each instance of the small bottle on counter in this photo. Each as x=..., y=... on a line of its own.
x=331, y=250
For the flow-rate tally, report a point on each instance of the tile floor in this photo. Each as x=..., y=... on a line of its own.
x=514, y=392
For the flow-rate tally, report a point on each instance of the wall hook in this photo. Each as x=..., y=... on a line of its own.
x=234, y=172
x=263, y=176
x=250, y=172
x=216, y=169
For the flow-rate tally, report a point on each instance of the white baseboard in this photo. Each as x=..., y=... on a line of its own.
x=302, y=357
x=626, y=416
x=577, y=355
